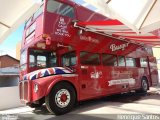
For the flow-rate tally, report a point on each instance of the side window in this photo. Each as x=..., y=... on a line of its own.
x=60, y=8
x=23, y=57
x=32, y=61
x=131, y=62
x=41, y=61
x=38, y=12
x=52, y=61
x=109, y=60
x=23, y=60
x=121, y=61
x=87, y=58
x=143, y=62
x=69, y=59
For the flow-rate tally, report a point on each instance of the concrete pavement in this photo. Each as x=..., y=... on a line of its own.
x=106, y=108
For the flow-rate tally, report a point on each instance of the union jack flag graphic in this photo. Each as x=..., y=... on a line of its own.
x=47, y=72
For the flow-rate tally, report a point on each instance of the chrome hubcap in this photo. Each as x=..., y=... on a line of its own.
x=62, y=98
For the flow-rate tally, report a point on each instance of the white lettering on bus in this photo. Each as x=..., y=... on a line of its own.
x=115, y=47
x=62, y=28
x=129, y=81
x=89, y=39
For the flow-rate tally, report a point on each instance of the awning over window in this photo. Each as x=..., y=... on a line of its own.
x=13, y=13
x=118, y=30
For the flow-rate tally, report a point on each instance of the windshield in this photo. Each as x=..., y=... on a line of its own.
x=60, y=8
x=42, y=59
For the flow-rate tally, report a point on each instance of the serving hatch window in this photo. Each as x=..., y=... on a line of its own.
x=121, y=61
x=109, y=60
x=144, y=62
x=88, y=58
x=131, y=62
x=60, y=8
x=69, y=59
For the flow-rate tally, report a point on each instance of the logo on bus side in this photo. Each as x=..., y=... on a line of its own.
x=89, y=39
x=115, y=47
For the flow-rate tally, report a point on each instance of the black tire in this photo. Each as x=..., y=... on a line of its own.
x=38, y=104
x=64, y=104
x=144, y=86
x=33, y=105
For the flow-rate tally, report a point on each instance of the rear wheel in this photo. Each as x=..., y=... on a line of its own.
x=144, y=86
x=61, y=99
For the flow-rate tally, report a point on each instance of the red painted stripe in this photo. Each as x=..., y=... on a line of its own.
x=123, y=30
x=143, y=37
x=39, y=74
x=147, y=40
x=100, y=23
x=51, y=70
x=108, y=23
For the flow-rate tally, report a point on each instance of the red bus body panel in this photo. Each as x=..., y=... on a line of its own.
x=89, y=81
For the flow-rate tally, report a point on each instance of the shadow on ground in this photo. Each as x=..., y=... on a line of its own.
x=118, y=100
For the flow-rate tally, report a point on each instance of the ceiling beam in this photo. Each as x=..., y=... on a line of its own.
x=1, y=23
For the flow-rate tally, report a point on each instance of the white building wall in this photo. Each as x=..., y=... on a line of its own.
x=159, y=75
x=9, y=97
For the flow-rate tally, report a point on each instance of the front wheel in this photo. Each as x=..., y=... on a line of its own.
x=61, y=99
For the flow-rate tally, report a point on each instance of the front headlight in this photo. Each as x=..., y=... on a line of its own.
x=35, y=87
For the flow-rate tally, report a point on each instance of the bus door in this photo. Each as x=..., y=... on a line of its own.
x=90, y=75
x=153, y=70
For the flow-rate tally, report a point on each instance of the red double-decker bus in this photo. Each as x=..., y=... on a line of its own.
x=62, y=64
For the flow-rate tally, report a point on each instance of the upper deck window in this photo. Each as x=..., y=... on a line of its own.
x=35, y=15
x=60, y=8
x=38, y=12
